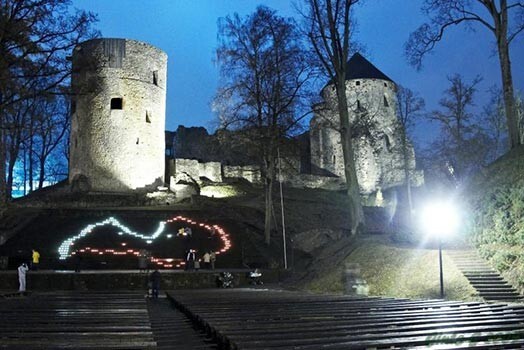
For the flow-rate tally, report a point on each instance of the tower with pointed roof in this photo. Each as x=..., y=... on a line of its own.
x=372, y=105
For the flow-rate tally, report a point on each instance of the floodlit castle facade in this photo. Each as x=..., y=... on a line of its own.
x=118, y=141
x=118, y=115
x=377, y=137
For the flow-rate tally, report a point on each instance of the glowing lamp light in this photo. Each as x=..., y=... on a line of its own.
x=440, y=219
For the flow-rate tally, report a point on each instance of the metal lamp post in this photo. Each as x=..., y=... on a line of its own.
x=440, y=219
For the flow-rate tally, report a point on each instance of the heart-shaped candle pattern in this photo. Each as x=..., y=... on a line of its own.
x=65, y=249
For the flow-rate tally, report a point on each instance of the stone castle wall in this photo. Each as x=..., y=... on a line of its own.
x=118, y=115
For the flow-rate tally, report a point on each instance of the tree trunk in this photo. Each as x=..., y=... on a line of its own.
x=509, y=97
x=25, y=170
x=356, y=214
x=270, y=166
x=41, y=174
x=3, y=185
x=407, y=177
x=30, y=159
x=10, y=175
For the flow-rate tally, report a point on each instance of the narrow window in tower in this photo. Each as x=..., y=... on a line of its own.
x=137, y=140
x=386, y=103
x=334, y=159
x=357, y=83
x=148, y=117
x=117, y=103
x=155, y=77
x=358, y=104
x=386, y=84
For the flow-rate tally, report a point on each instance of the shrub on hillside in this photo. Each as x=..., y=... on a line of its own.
x=497, y=215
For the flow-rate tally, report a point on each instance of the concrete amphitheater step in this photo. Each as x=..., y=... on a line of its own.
x=487, y=282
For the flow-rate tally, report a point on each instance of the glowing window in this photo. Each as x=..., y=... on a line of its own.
x=117, y=103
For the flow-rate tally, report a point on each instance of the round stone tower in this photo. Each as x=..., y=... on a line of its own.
x=372, y=108
x=118, y=116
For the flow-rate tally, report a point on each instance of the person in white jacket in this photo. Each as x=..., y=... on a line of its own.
x=22, y=270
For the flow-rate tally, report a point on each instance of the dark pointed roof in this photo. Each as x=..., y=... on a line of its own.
x=360, y=68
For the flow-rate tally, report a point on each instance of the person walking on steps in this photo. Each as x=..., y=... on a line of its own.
x=155, y=283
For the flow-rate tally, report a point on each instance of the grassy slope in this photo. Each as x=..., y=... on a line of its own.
x=401, y=272
x=497, y=206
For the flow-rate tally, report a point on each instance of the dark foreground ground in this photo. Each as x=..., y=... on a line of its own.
x=253, y=318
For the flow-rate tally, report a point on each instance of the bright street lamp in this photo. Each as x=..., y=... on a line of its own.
x=440, y=219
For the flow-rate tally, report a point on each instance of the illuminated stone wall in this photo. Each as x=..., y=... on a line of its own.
x=372, y=105
x=118, y=116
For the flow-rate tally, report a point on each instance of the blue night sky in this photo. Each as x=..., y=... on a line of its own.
x=187, y=31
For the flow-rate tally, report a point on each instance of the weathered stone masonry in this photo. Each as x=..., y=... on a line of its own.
x=378, y=152
x=118, y=115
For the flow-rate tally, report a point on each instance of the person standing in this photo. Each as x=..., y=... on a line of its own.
x=155, y=283
x=143, y=259
x=213, y=258
x=207, y=261
x=35, y=259
x=190, y=260
x=22, y=270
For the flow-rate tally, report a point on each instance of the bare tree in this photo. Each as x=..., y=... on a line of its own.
x=264, y=75
x=410, y=108
x=51, y=124
x=329, y=28
x=463, y=147
x=16, y=135
x=494, y=123
x=36, y=36
x=493, y=15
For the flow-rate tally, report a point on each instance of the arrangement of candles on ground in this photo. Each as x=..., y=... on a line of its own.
x=67, y=247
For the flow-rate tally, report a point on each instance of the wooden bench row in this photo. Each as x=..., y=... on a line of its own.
x=76, y=320
x=261, y=319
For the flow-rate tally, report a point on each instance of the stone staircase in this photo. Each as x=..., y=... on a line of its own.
x=489, y=283
x=173, y=330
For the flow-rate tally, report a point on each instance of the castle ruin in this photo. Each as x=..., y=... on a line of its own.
x=118, y=116
x=377, y=133
x=118, y=139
